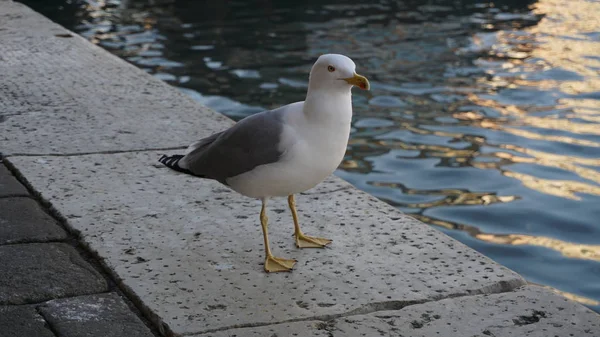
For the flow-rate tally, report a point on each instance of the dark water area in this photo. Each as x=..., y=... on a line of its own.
x=483, y=119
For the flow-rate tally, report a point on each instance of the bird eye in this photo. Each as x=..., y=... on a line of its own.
x=331, y=69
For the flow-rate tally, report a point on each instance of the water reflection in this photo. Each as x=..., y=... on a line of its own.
x=483, y=118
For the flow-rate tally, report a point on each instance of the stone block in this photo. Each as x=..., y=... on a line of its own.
x=36, y=272
x=22, y=321
x=22, y=220
x=528, y=312
x=9, y=185
x=87, y=100
x=98, y=315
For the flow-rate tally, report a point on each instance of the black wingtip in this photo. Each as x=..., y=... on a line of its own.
x=172, y=162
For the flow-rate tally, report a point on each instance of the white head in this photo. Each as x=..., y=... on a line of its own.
x=335, y=72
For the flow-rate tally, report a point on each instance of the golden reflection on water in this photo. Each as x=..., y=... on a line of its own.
x=569, y=18
x=586, y=109
x=568, y=249
x=561, y=139
x=559, y=188
x=547, y=43
x=538, y=122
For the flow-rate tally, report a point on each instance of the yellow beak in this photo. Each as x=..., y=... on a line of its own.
x=359, y=81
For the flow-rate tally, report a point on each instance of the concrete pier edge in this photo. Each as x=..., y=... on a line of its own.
x=83, y=130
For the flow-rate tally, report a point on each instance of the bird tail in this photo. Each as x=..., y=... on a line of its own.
x=172, y=162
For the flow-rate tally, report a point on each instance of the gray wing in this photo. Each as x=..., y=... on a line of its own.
x=251, y=142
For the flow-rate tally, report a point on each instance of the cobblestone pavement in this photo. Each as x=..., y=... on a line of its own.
x=48, y=286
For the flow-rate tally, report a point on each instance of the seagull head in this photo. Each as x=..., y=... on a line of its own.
x=336, y=72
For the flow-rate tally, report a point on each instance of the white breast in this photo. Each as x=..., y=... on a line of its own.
x=313, y=149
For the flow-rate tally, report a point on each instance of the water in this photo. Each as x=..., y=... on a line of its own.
x=483, y=119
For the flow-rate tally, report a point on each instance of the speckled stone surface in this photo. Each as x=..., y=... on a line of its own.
x=100, y=315
x=192, y=250
x=528, y=312
x=66, y=95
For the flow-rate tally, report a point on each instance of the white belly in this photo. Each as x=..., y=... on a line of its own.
x=307, y=161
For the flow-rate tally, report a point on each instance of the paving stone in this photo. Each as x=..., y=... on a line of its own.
x=22, y=321
x=528, y=312
x=192, y=250
x=22, y=220
x=35, y=272
x=87, y=99
x=93, y=316
x=9, y=185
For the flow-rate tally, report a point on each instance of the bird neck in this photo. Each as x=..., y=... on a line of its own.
x=328, y=106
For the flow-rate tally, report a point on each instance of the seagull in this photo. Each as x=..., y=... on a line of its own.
x=285, y=151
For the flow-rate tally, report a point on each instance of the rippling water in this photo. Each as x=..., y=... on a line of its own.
x=483, y=119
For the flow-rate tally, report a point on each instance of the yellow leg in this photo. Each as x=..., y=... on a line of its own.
x=272, y=263
x=304, y=241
